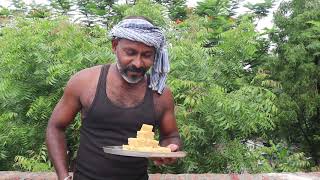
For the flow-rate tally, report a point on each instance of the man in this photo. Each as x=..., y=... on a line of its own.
x=114, y=101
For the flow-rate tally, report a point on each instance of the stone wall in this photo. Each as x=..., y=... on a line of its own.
x=13, y=175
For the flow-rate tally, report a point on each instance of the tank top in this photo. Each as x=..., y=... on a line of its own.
x=107, y=124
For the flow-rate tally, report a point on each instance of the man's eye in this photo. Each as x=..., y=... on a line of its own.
x=148, y=55
x=130, y=53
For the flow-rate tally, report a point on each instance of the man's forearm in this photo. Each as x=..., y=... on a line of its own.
x=56, y=144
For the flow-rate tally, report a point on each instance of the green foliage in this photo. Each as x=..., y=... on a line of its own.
x=39, y=12
x=119, y=13
x=297, y=69
x=36, y=60
x=177, y=9
x=219, y=17
x=38, y=161
x=19, y=4
x=218, y=119
x=236, y=47
x=4, y=11
x=213, y=117
x=260, y=9
x=238, y=158
x=213, y=8
x=279, y=158
x=153, y=11
x=16, y=138
x=242, y=113
x=95, y=7
x=61, y=5
x=219, y=104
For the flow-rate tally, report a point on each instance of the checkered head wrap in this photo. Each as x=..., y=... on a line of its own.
x=143, y=31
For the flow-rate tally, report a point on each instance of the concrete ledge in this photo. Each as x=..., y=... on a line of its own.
x=14, y=175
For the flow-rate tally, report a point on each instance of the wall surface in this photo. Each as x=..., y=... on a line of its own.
x=13, y=175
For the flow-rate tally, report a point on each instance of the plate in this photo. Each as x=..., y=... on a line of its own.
x=117, y=150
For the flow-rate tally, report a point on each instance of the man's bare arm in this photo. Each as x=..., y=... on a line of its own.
x=169, y=133
x=63, y=114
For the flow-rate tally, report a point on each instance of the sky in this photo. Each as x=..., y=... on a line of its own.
x=263, y=23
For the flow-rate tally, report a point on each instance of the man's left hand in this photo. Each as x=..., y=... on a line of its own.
x=164, y=161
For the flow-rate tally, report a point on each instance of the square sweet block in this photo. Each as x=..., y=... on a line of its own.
x=145, y=134
x=145, y=141
x=146, y=127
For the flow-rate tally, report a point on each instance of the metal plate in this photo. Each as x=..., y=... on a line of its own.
x=117, y=150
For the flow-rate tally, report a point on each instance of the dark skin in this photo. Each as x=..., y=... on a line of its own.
x=78, y=99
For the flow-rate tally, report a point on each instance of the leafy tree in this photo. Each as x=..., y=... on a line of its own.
x=19, y=7
x=37, y=57
x=19, y=4
x=279, y=158
x=97, y=12
x=214, y=117
x=154, y=11
x=213, y=8
x=95, y=7
x=236, y=48
x=219, y=17
x=177, y=8
x=62, y=6
x=4, y=11
x=260, y=9
x=38, y=11
x=297, y=68
x=118, y=13
x=234, y=5
x=219, y=104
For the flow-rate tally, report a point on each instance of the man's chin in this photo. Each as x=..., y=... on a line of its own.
x=133, y=80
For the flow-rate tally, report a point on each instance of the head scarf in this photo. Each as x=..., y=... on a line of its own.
x=143, y=31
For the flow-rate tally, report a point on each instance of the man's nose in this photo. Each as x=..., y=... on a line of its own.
x=137, y=61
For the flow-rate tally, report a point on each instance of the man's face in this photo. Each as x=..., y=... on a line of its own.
x=133, y=58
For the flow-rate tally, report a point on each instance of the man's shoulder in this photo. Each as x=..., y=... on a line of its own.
x=88, y=72
x=85, y=76
x=165, y=93
x=165, y=97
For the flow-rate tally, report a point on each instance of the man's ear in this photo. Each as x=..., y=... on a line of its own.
x=114, y=44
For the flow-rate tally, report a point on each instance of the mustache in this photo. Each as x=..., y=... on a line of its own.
x=135, y=69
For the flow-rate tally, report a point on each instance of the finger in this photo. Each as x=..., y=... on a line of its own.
x=173, y=147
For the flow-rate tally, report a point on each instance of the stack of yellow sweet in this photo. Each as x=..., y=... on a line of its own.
x=145, y=141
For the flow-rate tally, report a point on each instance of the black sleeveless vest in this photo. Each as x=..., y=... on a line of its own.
x=107, y=124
